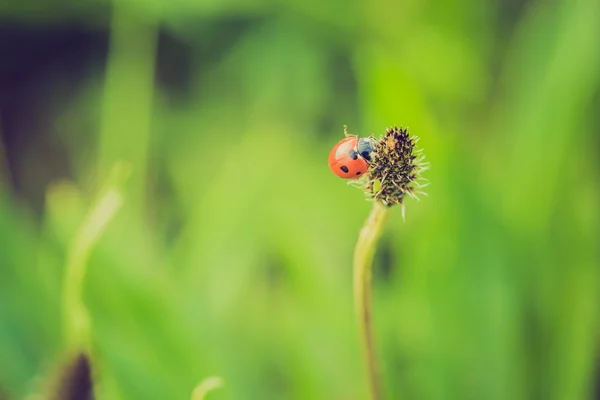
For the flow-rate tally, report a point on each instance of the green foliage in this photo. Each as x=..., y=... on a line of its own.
x=231, y=254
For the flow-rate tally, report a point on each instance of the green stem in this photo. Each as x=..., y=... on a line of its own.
x=206, y=386
x=76, y=320
x=363, y=259
x=128, y=97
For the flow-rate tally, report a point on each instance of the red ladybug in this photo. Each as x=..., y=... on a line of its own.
x=350, y=157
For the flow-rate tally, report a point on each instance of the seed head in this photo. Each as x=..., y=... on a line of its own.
x=395, y=168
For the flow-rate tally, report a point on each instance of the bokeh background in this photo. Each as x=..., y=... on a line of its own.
x=231, y=253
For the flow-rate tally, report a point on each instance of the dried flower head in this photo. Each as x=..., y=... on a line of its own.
x=395, y=168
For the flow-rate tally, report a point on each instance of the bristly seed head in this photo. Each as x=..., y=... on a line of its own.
x=395, y=169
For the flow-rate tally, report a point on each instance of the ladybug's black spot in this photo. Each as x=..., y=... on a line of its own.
x=353, y=154
x=344, y=168
x=358, y=173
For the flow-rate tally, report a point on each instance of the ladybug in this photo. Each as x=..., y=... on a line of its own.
x=350, y=157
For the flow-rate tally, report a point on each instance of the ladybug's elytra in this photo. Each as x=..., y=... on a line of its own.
x=350, y=157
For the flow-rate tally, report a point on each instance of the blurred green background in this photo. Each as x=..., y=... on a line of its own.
x=231, y=253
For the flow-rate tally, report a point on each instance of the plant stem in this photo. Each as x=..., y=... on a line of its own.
x=128, y=99
x=206, y=386
x=75, y=315
x=363, y=260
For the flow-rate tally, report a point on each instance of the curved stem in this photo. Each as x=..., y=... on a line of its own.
x=206, y=386
x=363, y=259
x=75, y=315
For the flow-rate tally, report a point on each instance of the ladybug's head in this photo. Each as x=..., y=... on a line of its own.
x=365, y=147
